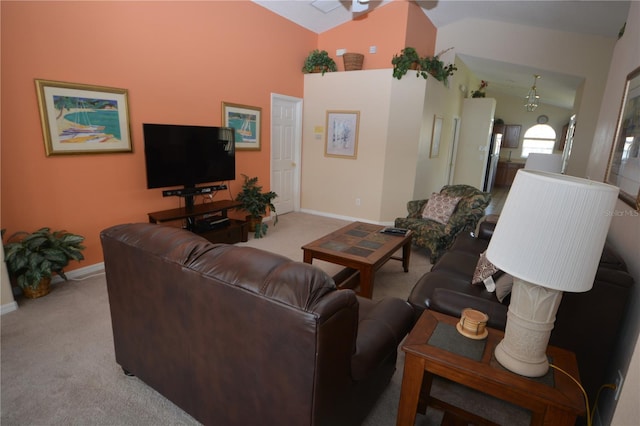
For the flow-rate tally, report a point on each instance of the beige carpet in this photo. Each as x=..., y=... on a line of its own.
x=58, y=365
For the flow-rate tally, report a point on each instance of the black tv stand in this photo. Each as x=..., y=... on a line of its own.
x=233, y=232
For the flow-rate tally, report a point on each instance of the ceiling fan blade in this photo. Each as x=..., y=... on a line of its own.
x=356, y=6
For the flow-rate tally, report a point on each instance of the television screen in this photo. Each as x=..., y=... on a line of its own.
x=178, y=155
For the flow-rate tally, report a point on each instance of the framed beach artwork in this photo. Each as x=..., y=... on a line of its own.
x=83, y=119
x=342, y=134
x=246, y=121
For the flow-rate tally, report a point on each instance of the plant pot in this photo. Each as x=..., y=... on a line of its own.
x=353, y=61
x=319, y=68
x=253, y=221
x=42, y=289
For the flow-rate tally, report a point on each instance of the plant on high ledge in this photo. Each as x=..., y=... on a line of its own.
x=32, y=258
x=255, y=202
x=319, y=61
x=409, y=59
x=480, y=92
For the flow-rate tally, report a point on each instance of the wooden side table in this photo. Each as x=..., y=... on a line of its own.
x=434, y=348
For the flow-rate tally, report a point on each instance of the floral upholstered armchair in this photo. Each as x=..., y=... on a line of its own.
x=437, y=221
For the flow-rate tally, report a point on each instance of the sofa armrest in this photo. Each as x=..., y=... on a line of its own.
x=381, y=327
x=453, y=302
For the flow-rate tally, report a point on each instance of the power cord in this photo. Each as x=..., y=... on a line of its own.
x=590, y=411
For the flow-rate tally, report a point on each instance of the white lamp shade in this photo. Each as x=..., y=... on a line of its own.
x=552, y=230
x=544, y=162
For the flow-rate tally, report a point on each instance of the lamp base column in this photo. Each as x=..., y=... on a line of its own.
x=530, y=319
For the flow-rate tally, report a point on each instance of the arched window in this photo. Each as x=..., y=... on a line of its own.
x=539, y=138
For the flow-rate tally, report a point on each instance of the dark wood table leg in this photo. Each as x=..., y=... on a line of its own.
x=410, y=391
x=307, y=257
x=406, y=255
x=366, y=282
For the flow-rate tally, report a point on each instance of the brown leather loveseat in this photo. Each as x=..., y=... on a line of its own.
x=240, y=336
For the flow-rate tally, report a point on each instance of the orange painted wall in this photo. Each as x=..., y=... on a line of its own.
x=178, y=60
x=390, y=28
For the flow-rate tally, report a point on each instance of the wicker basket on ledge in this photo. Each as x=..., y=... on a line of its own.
x=353, y=61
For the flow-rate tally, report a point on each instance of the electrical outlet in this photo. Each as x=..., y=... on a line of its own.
x=357, y=201
x=619, y=381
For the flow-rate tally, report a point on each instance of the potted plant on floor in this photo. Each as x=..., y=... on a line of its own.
x=255, y=202
x=32, y=258
x=319, y=61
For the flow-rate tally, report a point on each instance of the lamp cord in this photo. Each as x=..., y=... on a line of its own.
x=590, y=411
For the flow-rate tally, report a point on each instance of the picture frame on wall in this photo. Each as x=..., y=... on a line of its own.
x=83, y=118
x=435, y=137
x=246, y=121
x=342, y=134
x=623, y=169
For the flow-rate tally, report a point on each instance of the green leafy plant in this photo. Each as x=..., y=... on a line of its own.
x=319, y=61
x=403, y=62
x=409, y=59
x=255, y=202
x=31, y=257
x=434, y=66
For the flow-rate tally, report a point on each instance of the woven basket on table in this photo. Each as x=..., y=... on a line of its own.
x=353, y=61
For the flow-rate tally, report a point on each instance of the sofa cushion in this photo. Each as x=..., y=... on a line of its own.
x=503, y=285
x=484, y=270
x=440, y=207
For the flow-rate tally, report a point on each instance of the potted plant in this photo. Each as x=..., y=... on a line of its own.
x=434, y=66
x=408, y=59
x=32, y=258
x=319, y=61
x=255, y=202
x=480, y=92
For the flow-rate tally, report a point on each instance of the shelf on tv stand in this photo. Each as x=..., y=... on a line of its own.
x=234, y=232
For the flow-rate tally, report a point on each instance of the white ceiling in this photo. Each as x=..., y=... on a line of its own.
x=603, y=18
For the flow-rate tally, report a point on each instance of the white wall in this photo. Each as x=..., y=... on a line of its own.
x=625, y=226
x=475, y=135
x=569, y=53
x=383, y=173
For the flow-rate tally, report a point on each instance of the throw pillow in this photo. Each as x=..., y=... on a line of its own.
x=440, y=207
x=503, y=286
x=484, y=273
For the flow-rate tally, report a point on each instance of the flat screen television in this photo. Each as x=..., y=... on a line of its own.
x=181, y=155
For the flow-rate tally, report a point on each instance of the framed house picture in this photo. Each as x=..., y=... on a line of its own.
x=342, y=134
x=246, y=121
x=83, y=119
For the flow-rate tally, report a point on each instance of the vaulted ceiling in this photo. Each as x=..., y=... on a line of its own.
x=593, y=17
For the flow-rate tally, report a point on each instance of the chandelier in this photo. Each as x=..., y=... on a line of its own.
x=532, y=97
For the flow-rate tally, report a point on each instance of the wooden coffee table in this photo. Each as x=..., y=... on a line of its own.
x=362, y=249
x=433, y=349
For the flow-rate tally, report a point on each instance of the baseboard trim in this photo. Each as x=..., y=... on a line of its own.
x=347, y=218
x=8, y=307
x=80, y=273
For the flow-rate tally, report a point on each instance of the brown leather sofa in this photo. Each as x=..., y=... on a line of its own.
x=586, y=323
x=240, y=336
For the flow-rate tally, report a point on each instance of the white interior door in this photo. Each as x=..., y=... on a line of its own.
x=286, y=142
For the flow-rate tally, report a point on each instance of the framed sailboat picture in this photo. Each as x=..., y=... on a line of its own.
x=246, y=121
x=83, y=119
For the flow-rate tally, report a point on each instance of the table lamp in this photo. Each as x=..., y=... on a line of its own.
x=549, y=237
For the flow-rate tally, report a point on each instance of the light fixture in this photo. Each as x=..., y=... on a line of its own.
x=359, y=5
x=532, y=97
x=549, y=237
